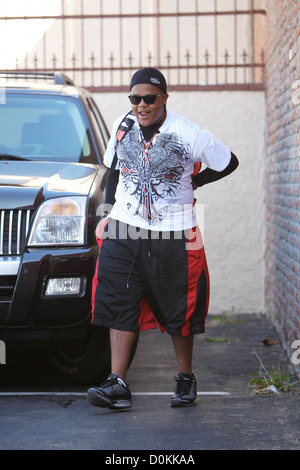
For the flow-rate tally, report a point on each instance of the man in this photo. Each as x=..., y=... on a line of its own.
x=152, y=258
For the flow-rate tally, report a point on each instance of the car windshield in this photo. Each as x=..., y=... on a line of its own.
x=39, y=127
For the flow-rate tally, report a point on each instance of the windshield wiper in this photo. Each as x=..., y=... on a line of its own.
x=9, y=156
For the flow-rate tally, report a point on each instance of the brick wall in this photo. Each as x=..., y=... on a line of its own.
x=283, y=170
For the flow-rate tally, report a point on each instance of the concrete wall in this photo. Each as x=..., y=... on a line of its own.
x=234, y=215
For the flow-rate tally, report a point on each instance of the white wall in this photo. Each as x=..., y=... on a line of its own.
x=234, y=211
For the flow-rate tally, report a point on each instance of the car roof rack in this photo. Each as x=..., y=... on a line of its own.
x=58, y=78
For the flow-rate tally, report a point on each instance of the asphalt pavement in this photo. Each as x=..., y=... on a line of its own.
x=40, y=412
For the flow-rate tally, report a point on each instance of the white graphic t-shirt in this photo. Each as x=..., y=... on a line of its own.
x=155, y=186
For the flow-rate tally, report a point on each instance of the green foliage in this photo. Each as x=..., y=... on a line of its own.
x=264, y=379
x=226, y=318
x=220, y=339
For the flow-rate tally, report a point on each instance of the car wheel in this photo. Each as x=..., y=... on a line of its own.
x=85, y=361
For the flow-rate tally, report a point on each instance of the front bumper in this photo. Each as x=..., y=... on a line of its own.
x=26, y=310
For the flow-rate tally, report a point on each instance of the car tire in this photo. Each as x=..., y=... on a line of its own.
x=86, y=361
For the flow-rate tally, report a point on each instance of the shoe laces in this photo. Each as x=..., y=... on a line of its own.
x=109, y=382
x=183, y=384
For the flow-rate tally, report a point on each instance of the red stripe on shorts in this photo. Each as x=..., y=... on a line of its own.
x=95, y=278
x=196, y=264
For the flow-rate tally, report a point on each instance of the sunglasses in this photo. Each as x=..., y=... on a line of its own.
x=148, y=99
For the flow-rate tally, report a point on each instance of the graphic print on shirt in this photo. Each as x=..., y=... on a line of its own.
x=152, y=173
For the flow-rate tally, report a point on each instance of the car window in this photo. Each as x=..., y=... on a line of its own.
x=100, y=127
x=44, y=127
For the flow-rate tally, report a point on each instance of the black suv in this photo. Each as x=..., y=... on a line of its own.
x=52, y=140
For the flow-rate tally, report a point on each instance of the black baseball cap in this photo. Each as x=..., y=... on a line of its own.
x=150, y=76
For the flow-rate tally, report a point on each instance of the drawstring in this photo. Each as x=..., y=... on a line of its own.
x=132, y=264
x=135, y=255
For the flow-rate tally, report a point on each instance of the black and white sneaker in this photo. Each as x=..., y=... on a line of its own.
x=185, y=392
x=112, y=394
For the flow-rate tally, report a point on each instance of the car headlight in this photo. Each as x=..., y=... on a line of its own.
x=60, y=221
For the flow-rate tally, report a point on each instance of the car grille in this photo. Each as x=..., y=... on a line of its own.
x=14, y=226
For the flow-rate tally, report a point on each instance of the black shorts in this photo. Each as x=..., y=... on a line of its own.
x=144, y=278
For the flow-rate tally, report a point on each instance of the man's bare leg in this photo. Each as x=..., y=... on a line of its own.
x=121, y=343
x=183, y=346
x=112, y=393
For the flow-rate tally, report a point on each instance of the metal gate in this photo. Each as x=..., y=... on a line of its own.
x=210, y=44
